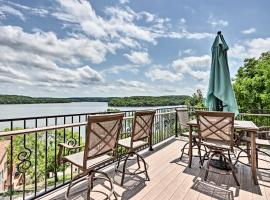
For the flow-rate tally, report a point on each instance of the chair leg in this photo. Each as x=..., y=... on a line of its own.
x=118, y=163
x=145, y=167
x=232, y=167
x=199, y=152
x=89, y=186
x=239, y=155
x=110, y=181
x=124, y=169
x=182, y=150
x=248, y=152
x=257, y=158
x=208, y=165
x=72, y=183
x=138, y=162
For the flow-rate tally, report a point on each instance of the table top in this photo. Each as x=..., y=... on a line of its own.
x=238, y=124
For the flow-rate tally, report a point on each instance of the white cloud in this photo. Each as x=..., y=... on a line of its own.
x=189, y=35
x=182, y=20
x=249, y=31
x=138, y=57
x=67, y=50
x=217, y=22
x=7, y=10
x=188, y=51
x=119, y=23
x=133, y=86
x=42, y=59
x=249, y=48
x=21, y=10
x=116, y=69
x=196, y=66
x=157, y=73
x=123, y=1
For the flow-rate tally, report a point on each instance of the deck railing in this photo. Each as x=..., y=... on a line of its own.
x=29, y=147
x=29, y=166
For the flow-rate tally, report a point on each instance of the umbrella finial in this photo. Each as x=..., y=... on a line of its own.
x=219, y=32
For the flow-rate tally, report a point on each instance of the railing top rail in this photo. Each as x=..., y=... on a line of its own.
x=55, y=127
x=254, y=114
x=77, y=114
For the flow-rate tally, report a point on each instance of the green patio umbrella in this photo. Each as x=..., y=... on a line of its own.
x=220, y=96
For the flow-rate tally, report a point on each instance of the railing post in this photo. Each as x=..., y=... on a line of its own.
x=176, y=125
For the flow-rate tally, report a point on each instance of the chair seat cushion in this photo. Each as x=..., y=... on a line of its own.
x=127, y=143
x=77, y=159
x=219, y=144
x=258, y=141
x=194, y=134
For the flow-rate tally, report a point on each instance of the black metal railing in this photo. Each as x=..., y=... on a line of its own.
x=31, y=144
x=29, y=147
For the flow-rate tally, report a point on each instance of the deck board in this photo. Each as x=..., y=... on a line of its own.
x=171, y=179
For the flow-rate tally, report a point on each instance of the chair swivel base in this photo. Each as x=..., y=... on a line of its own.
x=248, y=156
x=90, y=178
x=136, y=172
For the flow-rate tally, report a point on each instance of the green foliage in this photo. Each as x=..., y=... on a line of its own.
x=36, y=143
x=252, y=83
x=90, y=99
x=140, y=101
x=113, y=110
x=196, y=100
x=15, y=99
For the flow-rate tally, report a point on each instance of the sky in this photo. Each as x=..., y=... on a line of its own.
x=68, y=48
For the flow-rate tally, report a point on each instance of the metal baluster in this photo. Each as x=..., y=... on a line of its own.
x=71, y=167
x=64, y=165
x=55, y=146
x=11, y=163
x=36, y=123
x=46, y=154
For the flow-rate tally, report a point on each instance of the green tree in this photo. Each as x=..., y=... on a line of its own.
x=252, y=83
x=196, y=99
x=34, y=150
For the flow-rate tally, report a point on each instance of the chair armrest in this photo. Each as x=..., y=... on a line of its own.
x=64, y=145
x=60, y=153
x=264, y=132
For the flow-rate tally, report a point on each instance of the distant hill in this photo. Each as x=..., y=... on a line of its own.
x=139, y=101
x=16, y=99
x=90, y=99
x=134, y=101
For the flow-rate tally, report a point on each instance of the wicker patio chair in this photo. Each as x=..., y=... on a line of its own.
x=262, y=145
x=216, y=132
x=102, y=133
x=183, y=119
x=141, y=136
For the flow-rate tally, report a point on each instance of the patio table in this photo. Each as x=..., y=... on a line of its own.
x=240, y=125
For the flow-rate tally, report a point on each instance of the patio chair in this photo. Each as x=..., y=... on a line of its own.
x=102, y=133
x=183, y=119
x=216, y=132
x=262, y=145
x=141, y=136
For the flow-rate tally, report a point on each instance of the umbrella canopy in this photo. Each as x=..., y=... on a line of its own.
x=220, y=96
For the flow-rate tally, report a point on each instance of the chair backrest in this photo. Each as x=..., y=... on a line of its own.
x=183, y=117
x=216, y=126
x=142, y=126
x=102, y=134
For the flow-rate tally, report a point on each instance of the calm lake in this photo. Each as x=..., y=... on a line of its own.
x=34, y=110
x=10, y=111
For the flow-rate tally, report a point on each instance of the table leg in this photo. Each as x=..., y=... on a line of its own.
x=253, y=158
x=190, y=146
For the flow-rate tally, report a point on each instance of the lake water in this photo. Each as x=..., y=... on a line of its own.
x=34, y=110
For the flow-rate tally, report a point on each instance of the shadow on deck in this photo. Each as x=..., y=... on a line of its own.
x=171, y=179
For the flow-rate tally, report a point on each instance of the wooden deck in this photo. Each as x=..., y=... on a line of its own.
x=171, y=179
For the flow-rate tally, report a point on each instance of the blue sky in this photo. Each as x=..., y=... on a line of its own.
x=66, y=48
